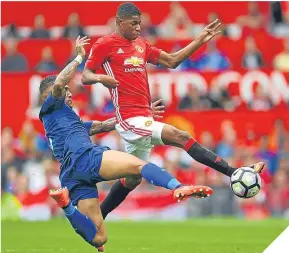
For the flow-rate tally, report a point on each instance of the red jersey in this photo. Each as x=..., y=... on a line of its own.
x=125, y=60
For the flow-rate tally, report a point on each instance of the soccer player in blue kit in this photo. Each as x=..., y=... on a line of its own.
x=84, y=164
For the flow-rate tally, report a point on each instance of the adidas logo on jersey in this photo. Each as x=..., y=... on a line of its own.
x=120, y=51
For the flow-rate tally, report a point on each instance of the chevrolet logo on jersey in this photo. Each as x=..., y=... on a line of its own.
x=133, y=60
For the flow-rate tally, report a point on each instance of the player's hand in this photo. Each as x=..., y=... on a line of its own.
x=80, y=45
x=157, y=109
x=210, y=31
x=108, y=81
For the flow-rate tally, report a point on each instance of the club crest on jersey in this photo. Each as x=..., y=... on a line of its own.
x=133, y=60
x=148, y=123
x=139, y=49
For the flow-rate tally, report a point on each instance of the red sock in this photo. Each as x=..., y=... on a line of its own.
x=122, y=180
x=189, y=144
x=207, y=157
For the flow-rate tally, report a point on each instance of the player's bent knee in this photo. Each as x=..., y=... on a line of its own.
x=181, y=137
x=100, y=239
x=132, y=181
x=175, y=137
x=135, y=166
x=184, y=136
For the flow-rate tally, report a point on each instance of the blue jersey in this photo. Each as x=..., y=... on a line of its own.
x=68, y=136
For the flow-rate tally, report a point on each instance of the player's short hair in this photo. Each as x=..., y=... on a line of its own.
x=127, y=10
x=46, y=83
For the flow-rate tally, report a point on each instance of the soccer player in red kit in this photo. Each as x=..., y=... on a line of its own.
x=123, y=56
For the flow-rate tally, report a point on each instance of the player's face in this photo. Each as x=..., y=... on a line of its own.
x=46, y=93
x=130, y=27
x=68, y=97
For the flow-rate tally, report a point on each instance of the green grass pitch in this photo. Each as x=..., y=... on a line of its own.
x=208, y=235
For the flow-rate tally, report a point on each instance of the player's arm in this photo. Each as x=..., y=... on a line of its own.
x=98, y=127
x=89, y=77
x=98, y=55
x=68, y=72
x=174, y=59
x=108, y=125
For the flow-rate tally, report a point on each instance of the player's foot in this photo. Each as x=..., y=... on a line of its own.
x=194, y=191
x=101, y=248
x=61, y=196
x=258, y=167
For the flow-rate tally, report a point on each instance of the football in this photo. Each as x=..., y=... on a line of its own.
x=245, y=182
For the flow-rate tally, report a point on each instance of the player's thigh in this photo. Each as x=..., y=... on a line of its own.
x=157, y=132
x=116, y=164
x=141, y=131
x=91, y=208
x=173, y=136
x=140, y=151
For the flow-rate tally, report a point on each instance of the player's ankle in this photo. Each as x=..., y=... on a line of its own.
x=177, y=187
x=67, y=206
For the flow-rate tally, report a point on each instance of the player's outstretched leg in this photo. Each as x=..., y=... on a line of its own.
x=178, y=138
x=117, y=164
x=121, y=188
x=175, y=137
x=116, y=196
x=86, y=220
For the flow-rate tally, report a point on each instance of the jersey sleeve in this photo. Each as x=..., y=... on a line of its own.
x=87, y=125
x=152, y=53
x=98, y=55
x=51, y=104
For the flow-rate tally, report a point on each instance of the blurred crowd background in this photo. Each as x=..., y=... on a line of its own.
x=260, y=21
x=255, y=37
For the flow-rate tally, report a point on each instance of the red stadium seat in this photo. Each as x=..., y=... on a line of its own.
x=264, y=43
x=32, y=50
x=233, y=49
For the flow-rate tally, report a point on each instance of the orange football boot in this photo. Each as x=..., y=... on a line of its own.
x=61, y=196
x=194, y=191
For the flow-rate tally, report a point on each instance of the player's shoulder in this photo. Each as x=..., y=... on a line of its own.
x=107, y=39
x=50, y=105
x=46, y=107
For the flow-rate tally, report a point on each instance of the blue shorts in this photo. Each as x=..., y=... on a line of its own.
x=81, y=179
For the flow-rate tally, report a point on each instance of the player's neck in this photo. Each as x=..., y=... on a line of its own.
x=119, y=33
